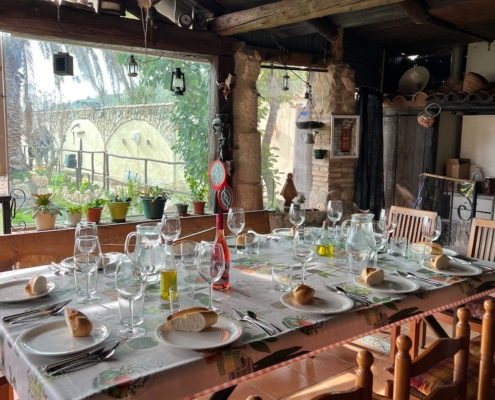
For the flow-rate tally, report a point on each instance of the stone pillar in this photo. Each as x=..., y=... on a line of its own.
x=333, y=93
x=246, y=183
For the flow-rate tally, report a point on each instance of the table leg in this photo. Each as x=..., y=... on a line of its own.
x=394, y=334
x=223, y=394
x=435, y=327
x=414, y=332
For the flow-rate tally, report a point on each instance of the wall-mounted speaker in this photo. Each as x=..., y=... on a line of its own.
x=200, y=19
x=62, y=64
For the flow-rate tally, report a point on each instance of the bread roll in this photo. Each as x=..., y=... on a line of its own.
x=193, y=319
x=241, y=239
x=373, y=276
x=440, y=262
x=36, y=285
x=293, y=230
x=78, y=323
x=436, y=249
x=304, y=294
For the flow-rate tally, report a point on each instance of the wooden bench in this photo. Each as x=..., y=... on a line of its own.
x=33, y=248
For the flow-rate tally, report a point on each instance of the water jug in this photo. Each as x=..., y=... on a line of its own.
x=356, y=246
x=148, y=251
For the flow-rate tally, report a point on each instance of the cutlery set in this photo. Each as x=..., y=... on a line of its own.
x=265, y=326
x=353, y=297
x=460, y=260
x=42, y=312
x=411, y=275
x=57, y=269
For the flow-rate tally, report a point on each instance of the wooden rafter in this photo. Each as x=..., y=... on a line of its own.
x=286, y=12
x=415, y=11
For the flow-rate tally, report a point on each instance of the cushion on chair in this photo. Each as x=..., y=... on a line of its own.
x=476, y=308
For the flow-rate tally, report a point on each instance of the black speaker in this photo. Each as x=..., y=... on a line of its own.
x=62, y=64
x=200, y=19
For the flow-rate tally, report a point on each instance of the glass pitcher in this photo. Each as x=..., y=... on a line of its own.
x=148, y=251
x=356, y=246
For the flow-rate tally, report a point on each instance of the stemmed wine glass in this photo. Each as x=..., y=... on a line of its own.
x=431, y=229
x=86, y=229
x=130, y=282
x=170, y=226
x=297, y=214
x=376, y=238
x=304, y=248
x=87, y=257
x=211, y=265
x=334, y=213
x=236, y=222
x=388, y=225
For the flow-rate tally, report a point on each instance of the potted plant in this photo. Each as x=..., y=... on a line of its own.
x=118, y=205
x=181, y=208
x=93, y=209
x=199, y=192
x=73, y=214
x=153, y=200
x=45, y=212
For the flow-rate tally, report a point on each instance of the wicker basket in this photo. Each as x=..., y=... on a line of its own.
x=474, y=82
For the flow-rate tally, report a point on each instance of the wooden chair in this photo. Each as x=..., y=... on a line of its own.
x=364, y=383
x=422, y=366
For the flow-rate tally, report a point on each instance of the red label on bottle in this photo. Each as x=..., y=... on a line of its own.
x=224, y=281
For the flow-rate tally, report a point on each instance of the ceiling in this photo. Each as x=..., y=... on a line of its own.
x=410, y=26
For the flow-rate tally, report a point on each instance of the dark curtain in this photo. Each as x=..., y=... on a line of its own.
x=368, y=170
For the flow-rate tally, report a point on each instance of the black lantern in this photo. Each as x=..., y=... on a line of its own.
x=178, y=83
x=285, y=82
x=132, y=67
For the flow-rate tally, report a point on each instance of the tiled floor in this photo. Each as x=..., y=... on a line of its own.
x=329, y=371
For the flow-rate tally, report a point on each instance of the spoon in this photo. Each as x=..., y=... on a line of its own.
x=253, y=315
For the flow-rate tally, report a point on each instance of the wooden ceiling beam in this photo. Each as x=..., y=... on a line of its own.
x=415, y=11
x=325, y=28
x=39, y=18
x=286, y=12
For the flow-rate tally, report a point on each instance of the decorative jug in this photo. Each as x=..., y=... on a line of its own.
x=356, y=246
x=148, y=251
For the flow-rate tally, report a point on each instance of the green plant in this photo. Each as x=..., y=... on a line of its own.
x=122, y=194
x=44, y=204
x=199, y=188
x=95, y=203
x=153, y=193
x=74, y=208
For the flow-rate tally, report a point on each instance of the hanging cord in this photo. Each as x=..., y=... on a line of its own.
x=145, y=9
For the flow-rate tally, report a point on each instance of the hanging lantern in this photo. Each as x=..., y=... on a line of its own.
x=132, y=67
x=178, y=83
x=285, y=82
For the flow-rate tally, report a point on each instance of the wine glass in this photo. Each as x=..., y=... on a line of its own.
x=334, y=213
x=87, y=257
x=236, y=222
x=130, y=282
x=304, y=248
x=431, y=229
x=376, y=238
x=297, y=214
x=86, y=229
x=170, y=226
x=211, y=265
x=388, y=224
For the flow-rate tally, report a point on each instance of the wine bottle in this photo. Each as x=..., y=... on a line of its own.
x=324, y=245
x=224, y=282
x=168, y=273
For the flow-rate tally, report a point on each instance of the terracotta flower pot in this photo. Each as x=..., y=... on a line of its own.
x=118, y=210
x=44, y=221
x=153, y=209
x=198, y=207
x=94, y=215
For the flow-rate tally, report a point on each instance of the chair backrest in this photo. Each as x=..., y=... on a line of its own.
x=409, y=222
x=487, y=351
x=482, y=240
x=405, y=368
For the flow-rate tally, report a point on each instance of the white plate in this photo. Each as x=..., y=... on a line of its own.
x=287, y=232
x=54, y=339
x=68, y=263
x=449, y=252
x=324, y=303
x=391, y=284
x=455, y=269
x=14, y=291
x=225, y=331
x=231, y=242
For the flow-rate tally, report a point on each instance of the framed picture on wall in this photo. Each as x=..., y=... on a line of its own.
x=344, y=136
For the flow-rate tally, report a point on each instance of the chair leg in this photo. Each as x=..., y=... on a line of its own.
x=394, y=334
x=422, y=334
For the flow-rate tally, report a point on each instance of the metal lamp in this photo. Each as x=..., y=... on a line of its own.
x=285, y=82
x=178, y=82
x=132, y=67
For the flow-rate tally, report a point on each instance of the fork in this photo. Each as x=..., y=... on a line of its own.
x=411, y=275
x=353, y=297
x=58, y=269
x=241, y=317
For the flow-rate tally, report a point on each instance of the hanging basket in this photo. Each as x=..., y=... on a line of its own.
x=309, y=124
x=319, y=154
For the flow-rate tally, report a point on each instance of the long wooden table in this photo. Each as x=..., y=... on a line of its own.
x=146, y=368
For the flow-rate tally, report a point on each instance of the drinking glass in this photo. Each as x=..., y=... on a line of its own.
x=389, y=225
x=86, y=229
x=304, y=248
x=87, y=257
x=334, y=212
x=376, y=238
x=211, y=265
x=130, y=282
x=431, y=229
x=170, y=226
x=297, y=214
x=236, y=222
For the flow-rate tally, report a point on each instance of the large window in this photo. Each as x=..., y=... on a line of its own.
x=101, y=131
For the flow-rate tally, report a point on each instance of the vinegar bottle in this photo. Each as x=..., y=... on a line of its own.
x=224, y=282
x=324, y=245
x=168, y=274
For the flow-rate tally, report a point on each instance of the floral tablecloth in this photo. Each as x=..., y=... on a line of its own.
x=145, y=368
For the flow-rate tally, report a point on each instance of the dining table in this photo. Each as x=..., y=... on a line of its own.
x=185, y=367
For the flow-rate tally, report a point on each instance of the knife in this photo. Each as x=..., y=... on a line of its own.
x=38, y=310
